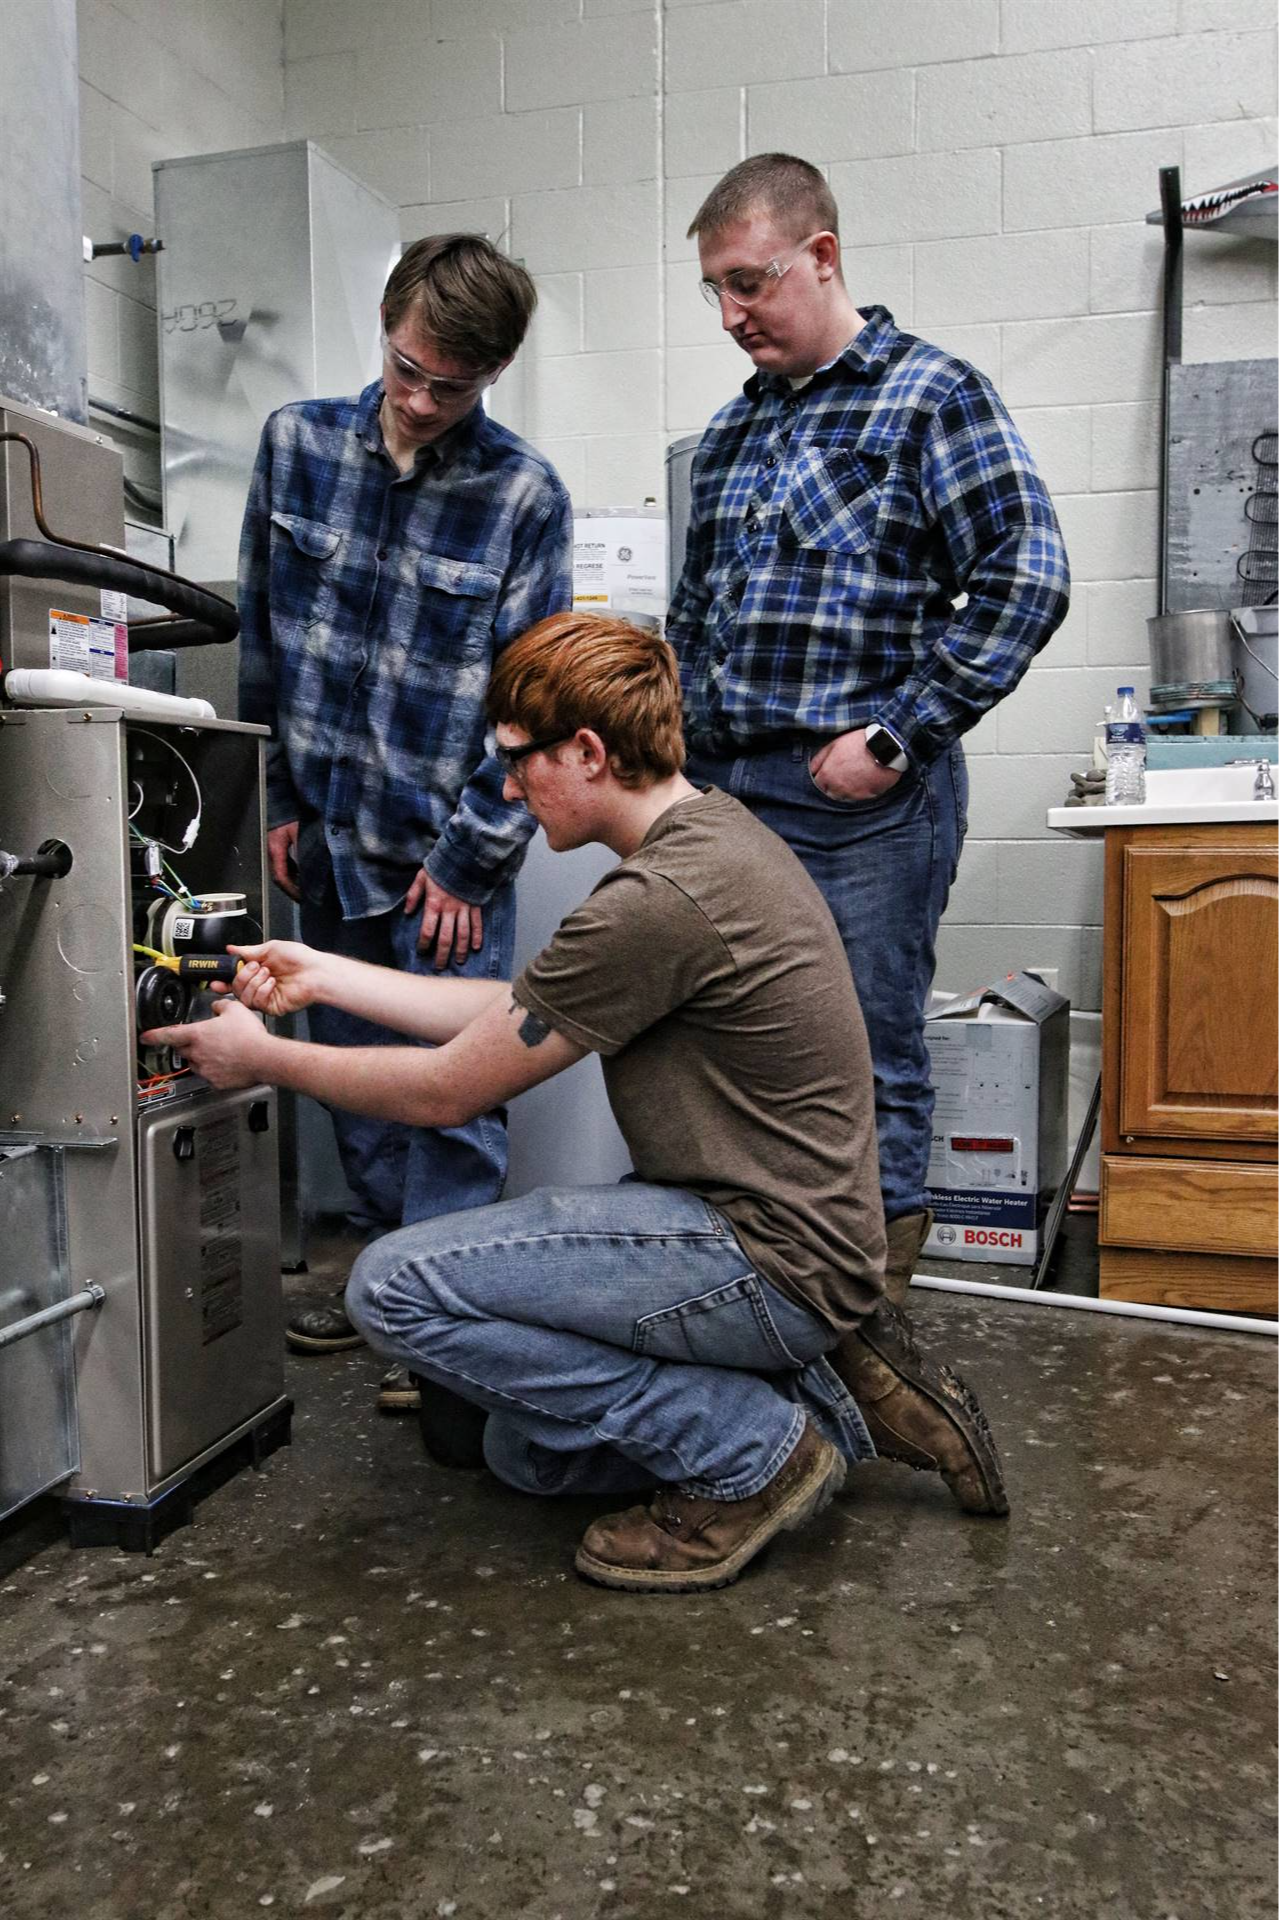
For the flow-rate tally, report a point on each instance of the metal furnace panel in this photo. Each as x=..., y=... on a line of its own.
x=213, y=1306
x=39, y=1445
x=82, y=483
x=66, y=969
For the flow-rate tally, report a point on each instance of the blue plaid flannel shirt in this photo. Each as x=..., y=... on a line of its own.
x=832, y=530
x=373, y=605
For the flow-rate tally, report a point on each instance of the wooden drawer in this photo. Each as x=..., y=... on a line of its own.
x=1189, y=1206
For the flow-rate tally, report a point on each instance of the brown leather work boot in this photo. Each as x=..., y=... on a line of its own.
x=906, y=1235
x=918, y=1413
x=680, y=1542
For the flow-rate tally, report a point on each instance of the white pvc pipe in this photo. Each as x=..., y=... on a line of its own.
x=1129, y=1309
x=64, y=687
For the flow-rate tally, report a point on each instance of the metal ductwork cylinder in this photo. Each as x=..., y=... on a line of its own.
x=42, y=344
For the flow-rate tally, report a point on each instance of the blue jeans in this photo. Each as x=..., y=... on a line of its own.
x=618, y=1335
x=884, y=868
x=396, y=1173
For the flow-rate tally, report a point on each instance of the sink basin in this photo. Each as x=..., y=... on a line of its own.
x=1200, y=786
x=1176, y=796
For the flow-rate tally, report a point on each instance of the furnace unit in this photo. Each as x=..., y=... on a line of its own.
x=140, y=1309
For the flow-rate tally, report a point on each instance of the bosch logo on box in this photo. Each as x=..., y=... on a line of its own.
x=987, y=1237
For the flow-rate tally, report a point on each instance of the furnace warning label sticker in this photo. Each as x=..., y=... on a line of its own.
x=221, y=1276
x=82, y=643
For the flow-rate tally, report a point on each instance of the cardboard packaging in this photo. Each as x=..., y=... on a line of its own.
x=1000, y=1068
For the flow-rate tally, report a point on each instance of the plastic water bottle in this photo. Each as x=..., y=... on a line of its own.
x=1125, y=754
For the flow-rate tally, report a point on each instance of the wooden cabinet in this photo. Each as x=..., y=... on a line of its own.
x=1190, y=1069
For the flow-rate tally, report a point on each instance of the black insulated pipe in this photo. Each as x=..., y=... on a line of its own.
x=50, y=861
x=81, y=563
x=40, y=559
x=155, y=636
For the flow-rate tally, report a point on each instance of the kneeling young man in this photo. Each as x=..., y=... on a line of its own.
x=710, y=1335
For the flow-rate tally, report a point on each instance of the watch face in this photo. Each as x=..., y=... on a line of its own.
x=882, y=747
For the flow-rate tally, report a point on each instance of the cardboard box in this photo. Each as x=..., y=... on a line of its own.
x=1000, y=1069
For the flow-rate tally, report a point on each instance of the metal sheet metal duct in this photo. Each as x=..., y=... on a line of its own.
x=42, y=343
x=272, y=272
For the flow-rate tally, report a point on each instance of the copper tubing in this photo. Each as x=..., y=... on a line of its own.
x=80, y=546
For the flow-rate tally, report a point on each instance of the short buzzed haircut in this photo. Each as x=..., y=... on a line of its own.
x=594, y=670
x=472, y=302
x=790, y=189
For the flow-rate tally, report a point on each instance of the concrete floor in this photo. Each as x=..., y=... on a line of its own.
x=363, y=1686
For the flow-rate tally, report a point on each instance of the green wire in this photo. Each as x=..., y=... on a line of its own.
x=184, y=891
x=181, y=884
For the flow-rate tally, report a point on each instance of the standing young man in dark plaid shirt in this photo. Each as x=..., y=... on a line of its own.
x=394, y=543
x=862, y=485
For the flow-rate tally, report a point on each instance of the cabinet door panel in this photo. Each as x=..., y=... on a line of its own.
x=1200, y=1034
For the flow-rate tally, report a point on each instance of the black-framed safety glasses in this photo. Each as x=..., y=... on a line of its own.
x=510, y=759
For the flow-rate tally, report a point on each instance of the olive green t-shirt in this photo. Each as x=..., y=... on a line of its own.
x=706, y=970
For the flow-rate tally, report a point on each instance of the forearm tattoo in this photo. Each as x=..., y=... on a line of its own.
x=532, y=1030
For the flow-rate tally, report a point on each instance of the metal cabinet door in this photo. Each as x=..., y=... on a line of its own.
x=213, y=1308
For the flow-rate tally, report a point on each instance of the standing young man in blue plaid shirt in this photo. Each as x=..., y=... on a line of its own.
x=860, y=487
x=394, y=543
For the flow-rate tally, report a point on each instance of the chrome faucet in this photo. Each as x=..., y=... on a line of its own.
x=1263, y=787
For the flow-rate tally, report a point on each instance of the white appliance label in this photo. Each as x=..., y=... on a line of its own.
x=620, y=562
x=82, y=643
x=115, y=606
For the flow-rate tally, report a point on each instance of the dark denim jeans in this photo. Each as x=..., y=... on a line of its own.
x=618, y=1335
x=399, y=1174
x=885, y=869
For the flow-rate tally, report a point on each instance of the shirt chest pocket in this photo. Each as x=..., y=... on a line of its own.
x=304, y=569
x=833, y=502
x=457, y=600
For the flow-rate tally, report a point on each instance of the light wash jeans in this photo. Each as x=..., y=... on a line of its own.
x=618, y=1335
x=399, y=1174
x=884, y=868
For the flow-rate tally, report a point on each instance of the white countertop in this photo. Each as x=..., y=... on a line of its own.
x=1175, y=797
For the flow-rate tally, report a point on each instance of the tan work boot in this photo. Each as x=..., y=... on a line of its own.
x=906, y=1235
x=680, y=1541
x=918, y=1413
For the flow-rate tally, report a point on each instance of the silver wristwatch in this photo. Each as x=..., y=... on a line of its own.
x=886, y=748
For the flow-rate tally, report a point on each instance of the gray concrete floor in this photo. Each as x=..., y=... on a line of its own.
x=362, y=1686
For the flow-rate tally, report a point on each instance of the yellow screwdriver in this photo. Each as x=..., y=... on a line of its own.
x=195, y=966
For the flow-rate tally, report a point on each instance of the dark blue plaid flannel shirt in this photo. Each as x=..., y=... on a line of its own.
x=373, y=605
x=832, y=530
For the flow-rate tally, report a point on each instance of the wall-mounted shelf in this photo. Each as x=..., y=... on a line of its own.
x=1249, y=207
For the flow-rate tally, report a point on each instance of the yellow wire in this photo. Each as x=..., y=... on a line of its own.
x=163, y=959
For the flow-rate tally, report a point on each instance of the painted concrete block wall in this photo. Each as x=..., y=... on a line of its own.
x=994, y=160
x=158, y=78
x=538, y=122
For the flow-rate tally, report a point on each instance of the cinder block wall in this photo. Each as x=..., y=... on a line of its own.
x=158, y=78
x=994, y=161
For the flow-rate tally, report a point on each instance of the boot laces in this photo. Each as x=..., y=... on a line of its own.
x=675, y=1509
x=954, y=1387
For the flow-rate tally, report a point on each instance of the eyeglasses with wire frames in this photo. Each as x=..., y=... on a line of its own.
x=443, y=391
x=747, y=286
x=511, y=759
